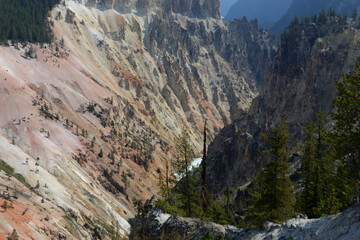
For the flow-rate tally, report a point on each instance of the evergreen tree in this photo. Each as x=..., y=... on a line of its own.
x=5, y=205
x=125, y=180
x=101, y=154
x=14, y=235
x=25, y=20
x=164, y=190
x=346, y=133
x=354, y=14
x=273, y=196
x=187, y=186
x=318, y=170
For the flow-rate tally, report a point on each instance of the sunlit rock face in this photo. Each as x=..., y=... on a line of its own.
x=93, y=117
x=190, y=8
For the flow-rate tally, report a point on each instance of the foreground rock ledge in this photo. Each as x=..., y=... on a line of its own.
x=156, y=225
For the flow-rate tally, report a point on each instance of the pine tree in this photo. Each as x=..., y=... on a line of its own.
x=273, y=196
x=14, y=235
x=318, y=170
x=125, y=180
x=100, y=155
x=354, y=14
x=165, y=190
x=347, y=132
x=187, y=186
x=5, y=205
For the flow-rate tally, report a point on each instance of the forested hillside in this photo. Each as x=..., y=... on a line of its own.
x=307, y=8
x=25, y=20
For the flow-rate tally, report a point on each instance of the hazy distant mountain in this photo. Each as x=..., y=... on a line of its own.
x=225, y=6
x=267, y=12
x=303, y=8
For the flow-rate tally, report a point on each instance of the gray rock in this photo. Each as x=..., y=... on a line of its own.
x=345, y=225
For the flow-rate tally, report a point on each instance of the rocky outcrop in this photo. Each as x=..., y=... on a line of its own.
x=267, y=13
x=222, y=62
x=156, y=225
x=201, y=66
x=190, y=8
x=299, y=82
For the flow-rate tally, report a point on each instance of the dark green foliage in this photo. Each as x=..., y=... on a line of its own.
x=220, y=237
x=5, y=205
x=139, y=206
x=184, y=198
x=14, y=235
x=188, y=187
x=303, y=8
x=273, y=196
x=346, y=133
x=101, y=154
x=219, y=214
x=6, y=168
x=10, y=172
x=318, y=171
x=208, y=236
x=355, y=14
x=203, y=176
x=165, y=189
x=113, y=182
x=25, y=20
x=320, y=25
x=170, y=206
x=125, y=180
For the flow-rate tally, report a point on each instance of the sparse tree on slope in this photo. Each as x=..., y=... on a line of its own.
x=187, y=186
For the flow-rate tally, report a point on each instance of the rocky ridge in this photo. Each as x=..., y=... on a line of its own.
x=156, y=225
x=307, y=8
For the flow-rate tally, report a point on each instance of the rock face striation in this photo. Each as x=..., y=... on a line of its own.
x=190, y=8
x=90, y=119
x=156, y=225
x=299, y=82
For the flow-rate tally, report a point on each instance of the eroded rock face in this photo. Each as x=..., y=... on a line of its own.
x=108, y=97
x=299, y=82
x=221, y=62
x=156, y=225
x=190, y=8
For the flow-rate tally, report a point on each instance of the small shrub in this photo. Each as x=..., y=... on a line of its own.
x=208, y=236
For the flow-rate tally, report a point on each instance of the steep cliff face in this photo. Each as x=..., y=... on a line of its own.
x=93, y=115
x=299, y=82
x=190, y=8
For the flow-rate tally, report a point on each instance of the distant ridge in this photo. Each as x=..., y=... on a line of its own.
x=302, y=8
x=267, y=12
